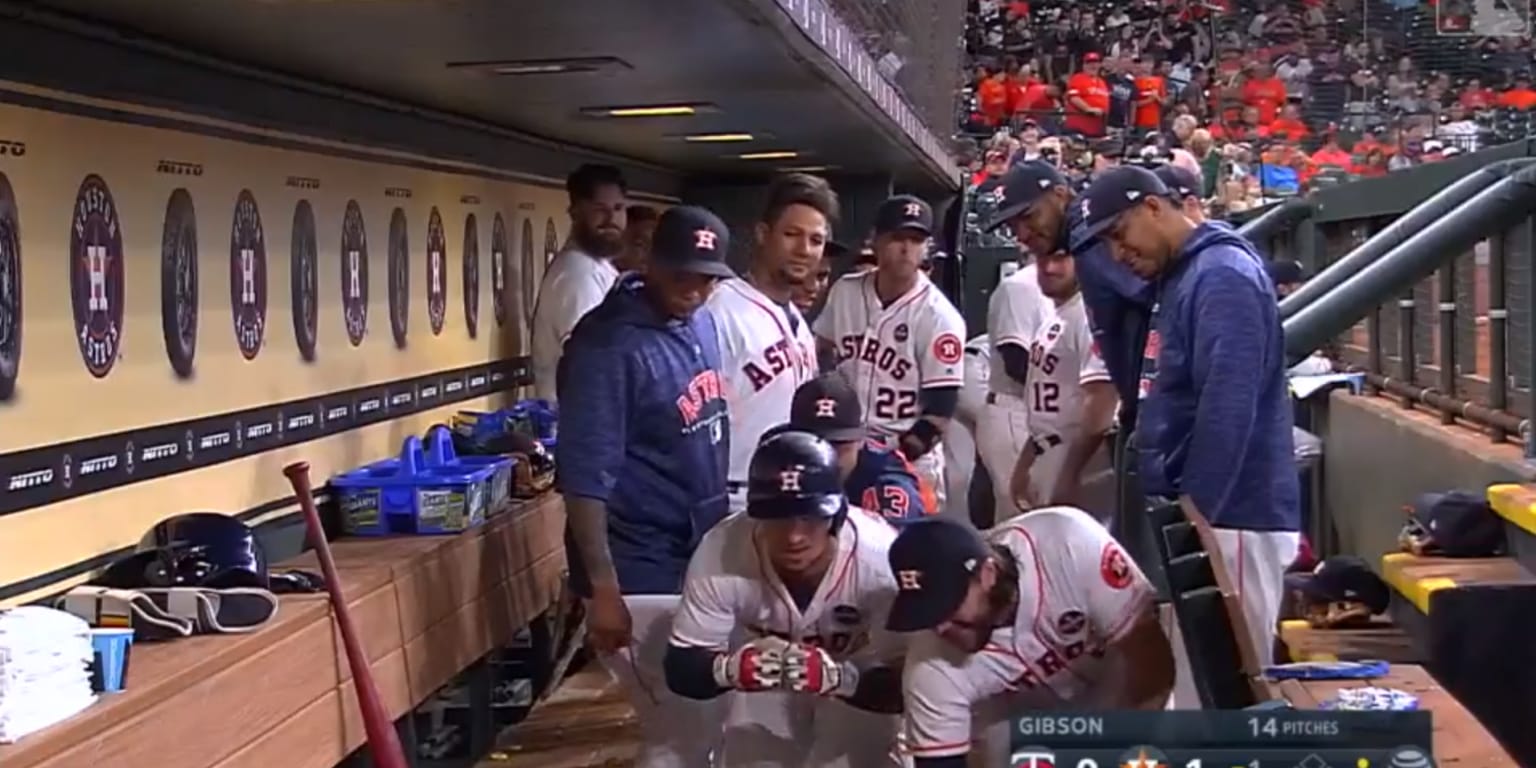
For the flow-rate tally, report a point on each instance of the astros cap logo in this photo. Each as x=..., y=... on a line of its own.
x=910, y=580
x=826, y=408
x=914, y=210
x=789, y=480
x=704, y=239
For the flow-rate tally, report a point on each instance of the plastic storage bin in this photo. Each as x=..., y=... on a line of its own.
x=440, y=453
x=412, y=495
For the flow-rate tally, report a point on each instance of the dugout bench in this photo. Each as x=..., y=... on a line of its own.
x=426, y=608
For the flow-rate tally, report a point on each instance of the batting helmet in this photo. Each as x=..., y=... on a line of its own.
x=794, y=474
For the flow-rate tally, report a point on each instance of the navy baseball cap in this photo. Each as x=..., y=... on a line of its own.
x=1115, y=192
x=828, y=407
x=692, y=239
x=1457, y=524
x=933, y=560
x=1021, y=187
x=904, y=212
x=1343, y=578
x=1182, y=182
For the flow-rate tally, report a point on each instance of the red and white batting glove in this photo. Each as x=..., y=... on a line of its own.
x=756, y=666
x=808, y=669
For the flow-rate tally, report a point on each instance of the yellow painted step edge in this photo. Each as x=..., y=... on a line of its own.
x=1301, y=624
x=1417, y=591
x=1515, y=503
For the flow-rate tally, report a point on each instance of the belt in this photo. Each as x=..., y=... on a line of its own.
x=1043, y=444
x=1003, y=398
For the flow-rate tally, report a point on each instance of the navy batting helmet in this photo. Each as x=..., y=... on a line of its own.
x=794, y=474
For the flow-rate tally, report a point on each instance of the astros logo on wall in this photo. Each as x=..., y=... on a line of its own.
x=354, y=273
x=178, y=282
x=499, y=270
x=437, y=266
x=96, y=276
x=526, y=274
x=304, y=280
x=551, y=241
x=472, y=275
x=248, y=275
x=399, y=283
x=10, y=290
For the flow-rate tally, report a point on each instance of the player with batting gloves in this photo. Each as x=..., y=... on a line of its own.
x=899, y=340
x=1043, y=611
x=786, y=605
x=642, y=459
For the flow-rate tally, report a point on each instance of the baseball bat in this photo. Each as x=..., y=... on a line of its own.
x=383, y=741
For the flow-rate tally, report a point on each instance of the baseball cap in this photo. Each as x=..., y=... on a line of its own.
x=904, y=212
x=1091, y=57
x=1457, y=524
x=1343, y=578
x=1114, y=192
x=828, y=407
x=692, y=239
x=835, y=249
x=933, y=560
x=1021, y=187
x=1182, y=182
x=1283, y=271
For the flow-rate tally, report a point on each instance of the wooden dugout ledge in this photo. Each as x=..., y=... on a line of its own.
x=425, y=607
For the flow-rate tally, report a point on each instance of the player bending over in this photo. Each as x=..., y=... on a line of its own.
x=1043, y=611
x=787, y=602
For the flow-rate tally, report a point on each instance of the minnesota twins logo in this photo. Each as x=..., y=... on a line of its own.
x=472, y=275
x=437, y=281
x=304, y=279
x=178, y=283
x=10, y=291
x=96, y=276
x=499, y=270
x=354, y=273
x=248, y=275
x=399, y=277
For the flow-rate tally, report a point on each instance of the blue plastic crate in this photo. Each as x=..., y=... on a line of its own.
x=440, y=453
x=411, y=496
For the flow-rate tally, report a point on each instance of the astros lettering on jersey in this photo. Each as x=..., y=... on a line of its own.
x=892, y=352
x=1062, y=358
x=766, y=352
x=1079, y=592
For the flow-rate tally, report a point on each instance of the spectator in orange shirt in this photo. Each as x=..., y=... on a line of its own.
x=1151, y=92
x=1331, y=155
x=1475, y=96
x=1289, y=125
x=992, y=96
x=1265, y=92
x=1087, y=98
x=1521, y=96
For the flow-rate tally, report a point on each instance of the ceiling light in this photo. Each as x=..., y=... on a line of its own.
x=780, y=155
x=508, y=68
x=806, y=168
x=655, y=110
x=702, y=138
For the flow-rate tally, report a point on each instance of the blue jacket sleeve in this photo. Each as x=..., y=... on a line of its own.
x=594, y=387
x=1227, y=350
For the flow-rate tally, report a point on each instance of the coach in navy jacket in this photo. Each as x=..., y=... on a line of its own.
x=1215, y=425
x=642, y=457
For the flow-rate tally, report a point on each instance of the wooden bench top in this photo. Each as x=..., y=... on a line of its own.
x=1460, y=741
x=425, y=607
x=1416, y=578
x=1381, y=640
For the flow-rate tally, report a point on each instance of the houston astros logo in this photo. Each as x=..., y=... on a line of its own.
x=354, y=273
x=499, y=270
x=909, y=580
x=530, y=282
x=399, y=283
x=704, y=239
x=437, y=281
x=304, y=280
x=789, y=480
x=10, y=290
x=472, y=275
x=913, y=210
x=826, y=408
x=248, y=275
x=178, y=282
x=96, y=276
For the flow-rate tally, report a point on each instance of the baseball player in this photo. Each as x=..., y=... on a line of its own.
x=1015, y=312
x=1185, y=186
x=809, y=293
x=765, y=344
x=644, y=428
x=1043, y=611
x=1216, y=423
x=1071, y=399
x=876, y=477
x=785, y=604
x=898, y=339
x=639, y=228
x=582, y=274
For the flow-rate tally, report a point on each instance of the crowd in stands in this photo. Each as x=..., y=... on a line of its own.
x=1265, y=98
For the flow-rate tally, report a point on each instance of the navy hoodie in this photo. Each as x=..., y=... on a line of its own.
x=1119, y=308
x=1216, y=422
x=644, y=429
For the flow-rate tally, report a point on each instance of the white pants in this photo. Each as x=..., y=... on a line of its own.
x=1001, y=436
x=959, y=465
x=771, y=729
x=676, y=732
x=1098, y=480
x=1256, y=563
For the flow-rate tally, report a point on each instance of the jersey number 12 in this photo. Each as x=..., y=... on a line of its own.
x=1045, y=395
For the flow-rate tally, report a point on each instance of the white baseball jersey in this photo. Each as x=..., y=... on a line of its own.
x=1079, y=592
x=575, y=283
x=891, y=352
x=1062, y=358
x=766, y=352
x=1015, y=313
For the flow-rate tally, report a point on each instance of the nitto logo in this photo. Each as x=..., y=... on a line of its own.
x=215, y=440
x=12, y=148
x=98, y=465
x=161, y=451
x=255, y=431
x=400, y=399
x=27, y=480
x=303, y=182
x=173, y=168
x=428, y=393
x=370, y=405
x=302, y=421
x=333, y=414
x=398, y=192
